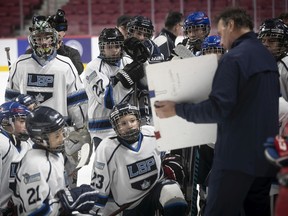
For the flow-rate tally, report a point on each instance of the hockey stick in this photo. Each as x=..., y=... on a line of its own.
x=7, y=49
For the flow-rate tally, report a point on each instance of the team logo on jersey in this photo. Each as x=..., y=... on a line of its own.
x=31, y=178
x=141, y=167
x=91, y=77
x=40, y=80
x=145, y=184
x=41, y=96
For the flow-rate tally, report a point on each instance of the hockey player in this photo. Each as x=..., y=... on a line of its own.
x=14, y=145
x=196, y=29
x=128, y=165
x=274, y=35
x=51, y=78
x=142, y=28
x=41, y=172
x=108, y=81
x=212, y=45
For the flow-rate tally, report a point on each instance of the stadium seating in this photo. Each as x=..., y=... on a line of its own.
x=104, y=13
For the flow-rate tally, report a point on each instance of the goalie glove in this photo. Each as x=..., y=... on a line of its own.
x=130, y=74
x=78, y=141
x=81, y=199
x=134, y=48
x=276, y=150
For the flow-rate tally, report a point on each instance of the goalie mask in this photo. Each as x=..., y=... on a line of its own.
x=125, y=120
x=12, y=119
x=45, y=127
x=140, y=27
x=212, y=45
x=43, y=38
x=273, y=33
x=111, y=45
x=196, y=27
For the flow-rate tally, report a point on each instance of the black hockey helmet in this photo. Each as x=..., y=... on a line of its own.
x=111, y=37
x=41, y=122
x=276, y=30
x=9, y=112
x=43, y=37
x=27, y=100
x=141, y=24
x=121, y=110
x=58, y=21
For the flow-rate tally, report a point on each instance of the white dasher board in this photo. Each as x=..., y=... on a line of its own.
x=182, y=80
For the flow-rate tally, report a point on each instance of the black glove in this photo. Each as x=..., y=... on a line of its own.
x=138, y=51
x=81, y=199
x=130, y=74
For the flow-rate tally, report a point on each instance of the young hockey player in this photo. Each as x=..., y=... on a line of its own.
x=14, y=145
x=274, y=35
x=128, y=166
x=41, y=172
x=196, y=29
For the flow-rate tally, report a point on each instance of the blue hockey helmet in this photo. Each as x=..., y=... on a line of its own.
x=274, y=30
x=9, y=112
x=41, y=122
x=142, y=25
x=118, y=112
x=212, y=44
x=199, y=19
x=111, y=38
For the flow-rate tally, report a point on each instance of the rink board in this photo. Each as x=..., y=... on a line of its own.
x=182, y=80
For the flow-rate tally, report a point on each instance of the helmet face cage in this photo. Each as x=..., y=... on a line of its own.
x=42, y=122
x=211, y=45
x=118, y=112
x=9, y=113
x=197, y=21
x=274, y=31
x=43, y=38
x=111, y=39
x=140, y=25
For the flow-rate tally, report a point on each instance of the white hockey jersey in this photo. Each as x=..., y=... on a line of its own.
x=55, y=84
x=10, y=158
x=129, y=172
x=39, y=177
x=103, y=95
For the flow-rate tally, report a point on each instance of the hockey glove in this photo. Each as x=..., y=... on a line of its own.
x=130, y=74
x=134, y=48
x=77, y=141
x=276, y=150
x=81, y=199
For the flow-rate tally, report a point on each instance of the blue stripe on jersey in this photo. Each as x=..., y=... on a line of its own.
x=11, y=94
x=108, y=98
x=99, y=125
x=77, y=98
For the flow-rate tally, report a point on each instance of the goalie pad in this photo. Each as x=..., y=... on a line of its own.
x=78, y=147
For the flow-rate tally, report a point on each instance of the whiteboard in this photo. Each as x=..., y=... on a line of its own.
x=181, y=80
